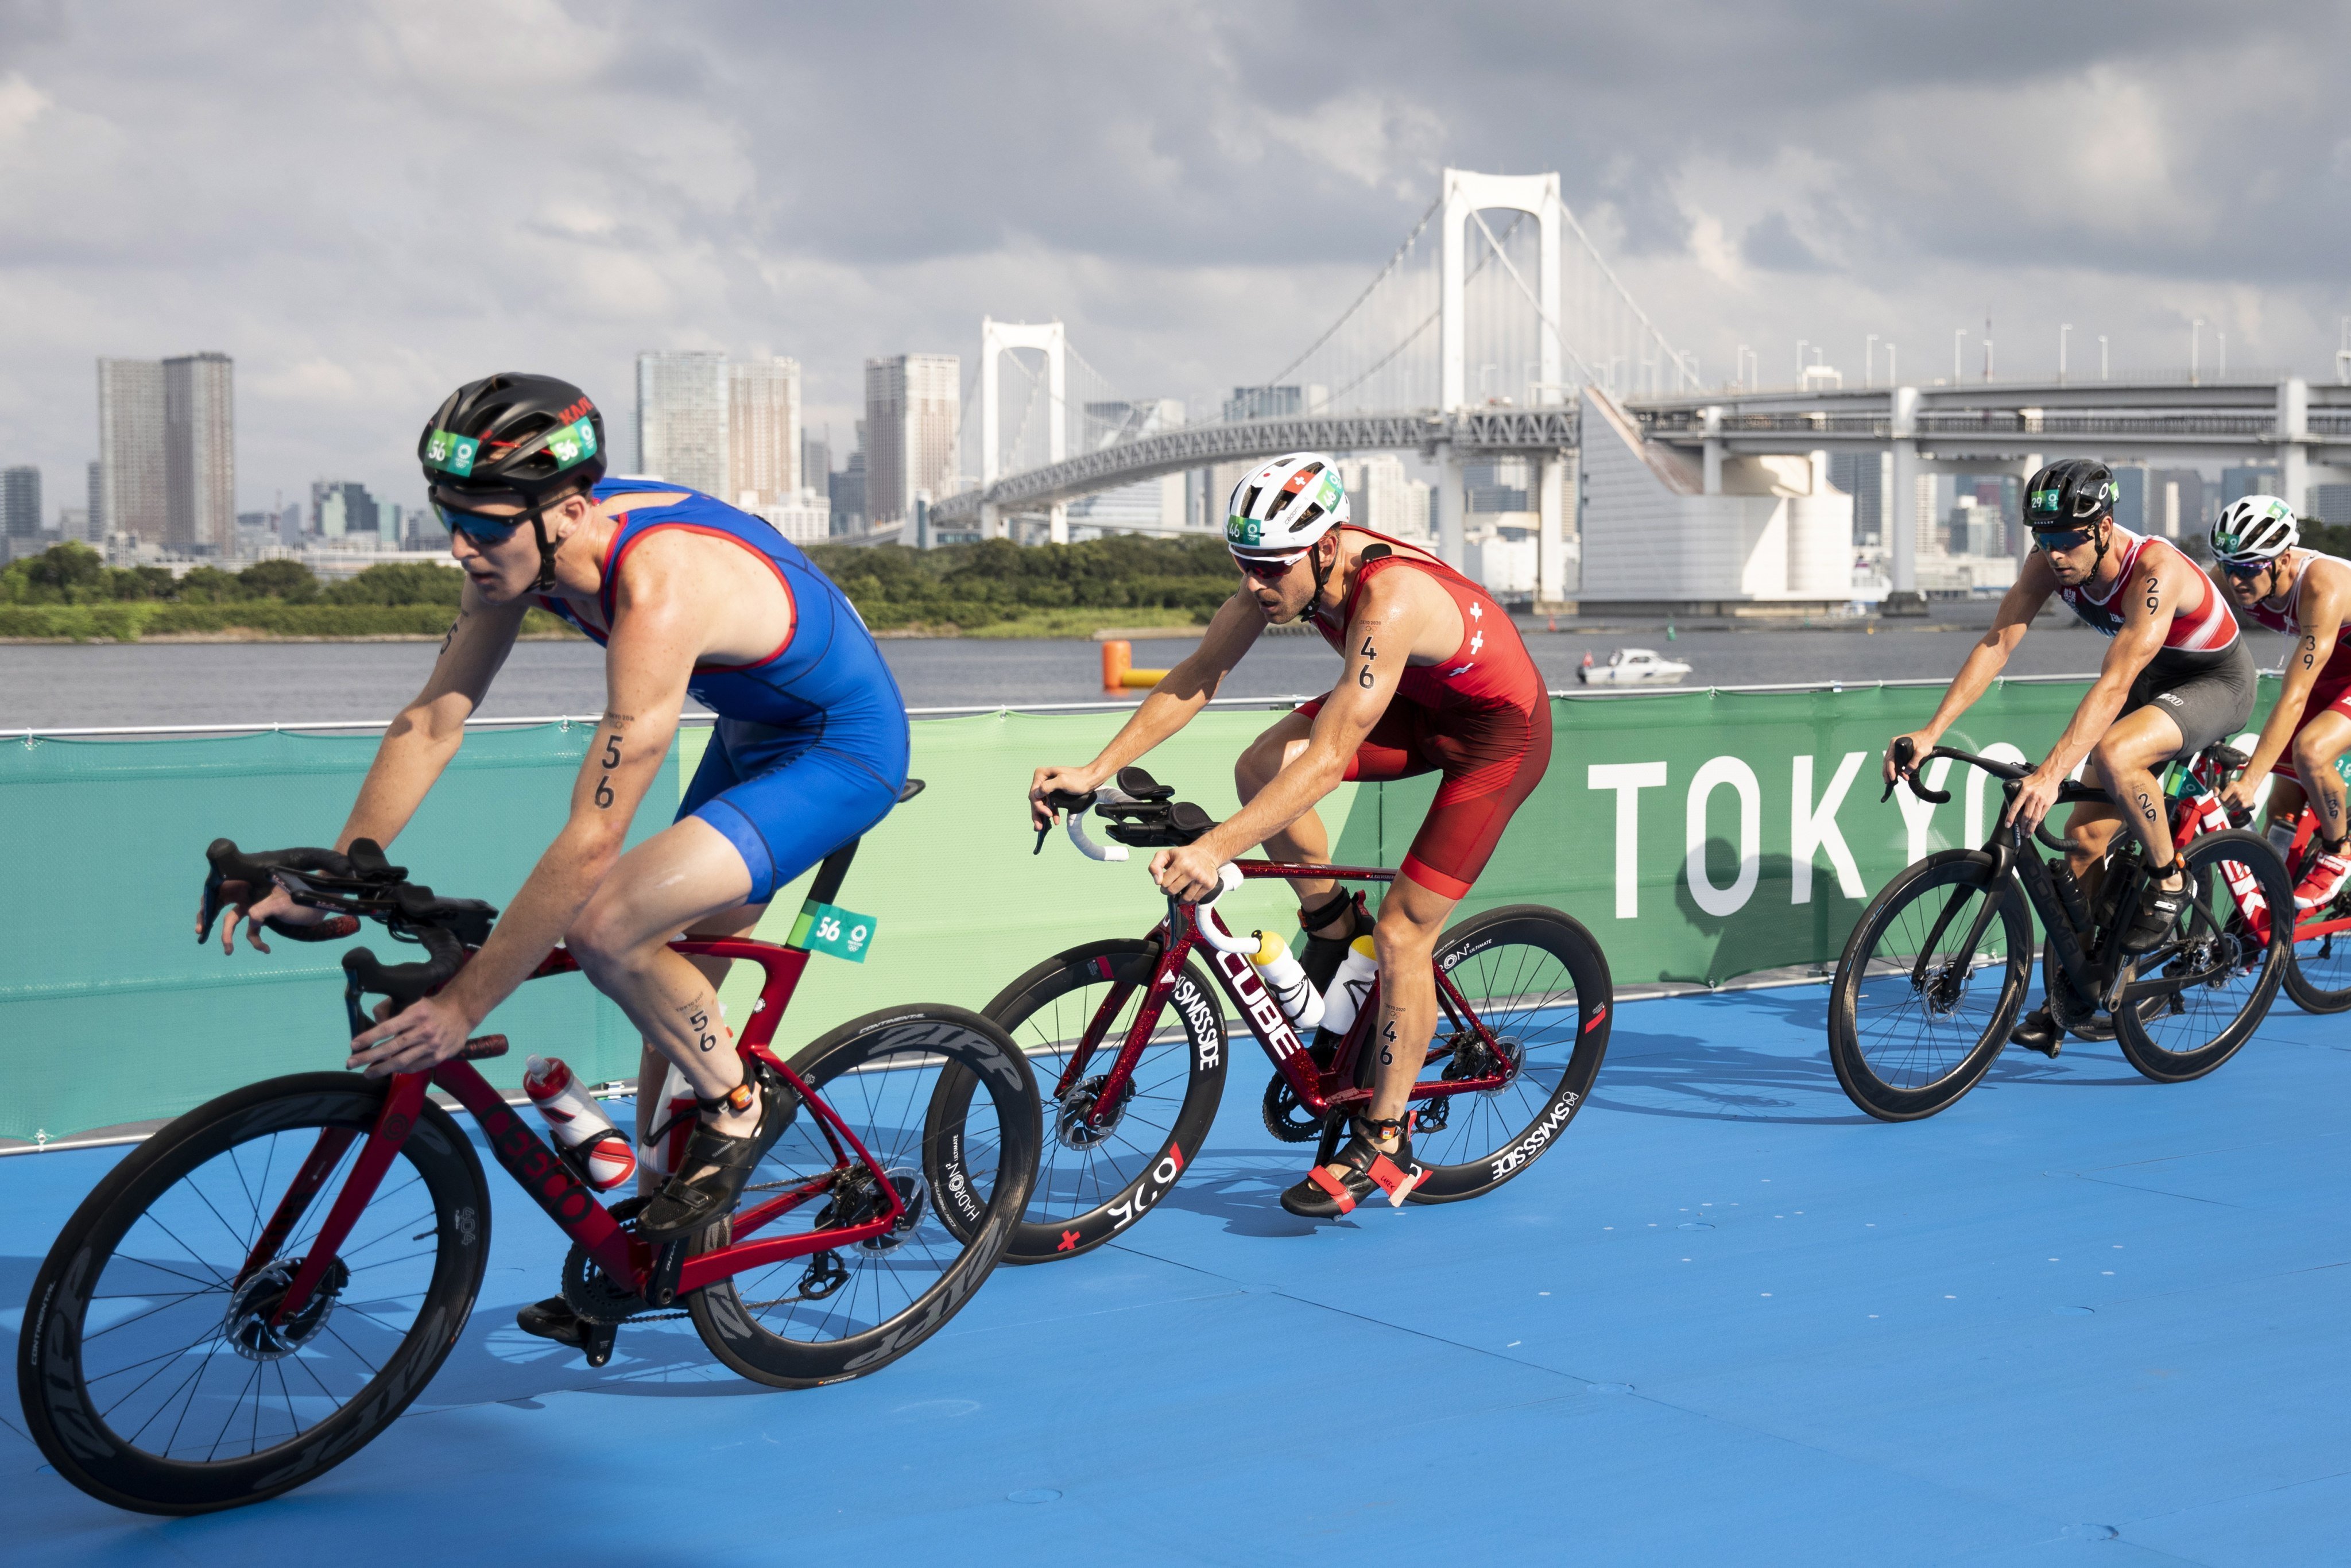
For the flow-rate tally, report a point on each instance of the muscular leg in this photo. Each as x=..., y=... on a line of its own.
x=681, y=876
x=2134, y=748
x=1411, y=919
x=2321, y=742
x=2091, y=828
x=653, y=1067
x=1304, y=841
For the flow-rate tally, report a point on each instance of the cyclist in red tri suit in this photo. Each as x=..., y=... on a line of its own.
x=2177, y=677
x=2307, y=596
x=1435, y=680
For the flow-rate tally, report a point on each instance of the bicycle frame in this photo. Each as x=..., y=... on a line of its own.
x=1320, y=1091
x=549, y=1179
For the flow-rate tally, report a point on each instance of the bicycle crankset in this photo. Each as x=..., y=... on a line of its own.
x=1285, y=1118
x=595, y=1296
x=251, y=1305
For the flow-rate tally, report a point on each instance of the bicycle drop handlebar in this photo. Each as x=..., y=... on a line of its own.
x=1907, y=762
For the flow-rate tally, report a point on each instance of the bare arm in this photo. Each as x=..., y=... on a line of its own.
x=1169, y=708
x=2322, y=605
x=655, y=640
x=2150, y=597
x=2018, y=606
x=428, y=731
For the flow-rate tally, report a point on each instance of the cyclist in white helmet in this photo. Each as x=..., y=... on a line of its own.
x=2257, y=546
x=1435, y=680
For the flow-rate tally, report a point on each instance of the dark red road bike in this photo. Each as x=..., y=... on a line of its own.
x=1134, y=1037
x=267, y=1282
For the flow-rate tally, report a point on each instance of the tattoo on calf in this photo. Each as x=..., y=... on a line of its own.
x=697, y=1014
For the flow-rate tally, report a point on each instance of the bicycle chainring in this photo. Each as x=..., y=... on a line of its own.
x=1285, y=1118
x=595, y=1296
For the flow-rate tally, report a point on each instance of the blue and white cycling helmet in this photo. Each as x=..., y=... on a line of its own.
x=1280, y=508
x=2254, y=528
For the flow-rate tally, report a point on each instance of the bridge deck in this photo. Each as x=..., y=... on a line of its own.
x=1727, y=1319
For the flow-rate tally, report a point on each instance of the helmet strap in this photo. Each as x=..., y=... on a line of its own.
x=545, y=583
x=1321, y=572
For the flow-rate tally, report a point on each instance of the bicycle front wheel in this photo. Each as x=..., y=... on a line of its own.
x=2183, y=1031
x=1540, y=984
x=2318, y=966
x=150, y=1373
x=1915, y=1021
x=1098, y=1175
x=843, y=1313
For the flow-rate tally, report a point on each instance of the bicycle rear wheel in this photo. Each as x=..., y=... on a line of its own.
x=149, y=1374
x=2232, y=978
x=2318, y=966
x=841, y=1313
x=1913, y=1022
x=1540, y=983
x=1092, y=1182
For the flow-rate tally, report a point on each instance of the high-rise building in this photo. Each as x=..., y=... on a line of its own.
x=73, y=523
x=339, y=508
x=199, y=452
x=131, y=448
x=1382, y=496
x=913, y=407
x=847, y=490
x=682, y=419
x=2329, y=504
x=1861, y=475
x=1498, y=485
x=20, y=503
x=2131, y=496
x=763, y=432
x=2176, y=498
x=2236, y=484
x=94, y=522
x=816, y=462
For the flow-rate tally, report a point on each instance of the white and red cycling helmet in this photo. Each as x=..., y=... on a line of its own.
x=1280, y=508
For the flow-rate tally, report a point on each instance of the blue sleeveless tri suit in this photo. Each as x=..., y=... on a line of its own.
x=810, y=749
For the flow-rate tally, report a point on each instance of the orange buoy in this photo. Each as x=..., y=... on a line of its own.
x=1117, y=655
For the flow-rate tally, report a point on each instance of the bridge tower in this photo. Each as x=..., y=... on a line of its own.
x=1465, y=195
x=1049, y=339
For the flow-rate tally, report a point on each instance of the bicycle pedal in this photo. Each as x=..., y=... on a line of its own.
x=660, y=1280
x=596, y=1340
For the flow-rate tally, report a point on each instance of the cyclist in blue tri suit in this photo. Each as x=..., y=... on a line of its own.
x=689, y=597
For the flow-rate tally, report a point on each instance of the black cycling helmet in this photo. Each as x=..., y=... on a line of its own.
x=532, y=436
x=2069, y=493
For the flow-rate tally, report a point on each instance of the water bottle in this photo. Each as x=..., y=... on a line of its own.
x=673, y=1117
x=1349, y=987
x=1286, y=979
x=593, y=1147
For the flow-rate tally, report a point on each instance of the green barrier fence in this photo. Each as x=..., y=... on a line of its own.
x=1700, y=835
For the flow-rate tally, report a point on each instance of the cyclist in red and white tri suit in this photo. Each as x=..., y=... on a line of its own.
x=2307, y=596
x=2178, y=677
x=1435, y=680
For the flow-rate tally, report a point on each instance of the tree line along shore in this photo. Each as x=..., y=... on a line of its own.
x=993, y=589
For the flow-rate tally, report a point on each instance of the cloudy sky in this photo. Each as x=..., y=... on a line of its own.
x=366, y=203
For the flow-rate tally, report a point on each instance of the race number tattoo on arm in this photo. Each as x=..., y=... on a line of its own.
x=2154, y=601
x=611, y=760
x=2310, y=651
x=1364, y=677
x=451, y=636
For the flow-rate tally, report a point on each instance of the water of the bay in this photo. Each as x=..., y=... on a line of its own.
x=91, y=684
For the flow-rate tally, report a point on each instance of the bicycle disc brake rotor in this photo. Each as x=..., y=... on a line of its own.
x=1070, y=1125
x=251, y=1304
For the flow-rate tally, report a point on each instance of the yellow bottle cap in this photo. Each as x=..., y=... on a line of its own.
x=1270, y=949
x=1363, y=945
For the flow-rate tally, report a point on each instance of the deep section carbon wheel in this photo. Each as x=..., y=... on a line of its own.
x=2212, y=983
x=151, y=1372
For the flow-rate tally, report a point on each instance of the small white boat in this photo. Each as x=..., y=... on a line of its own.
x=1633, y=667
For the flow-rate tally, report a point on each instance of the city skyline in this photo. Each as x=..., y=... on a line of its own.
x=1759, y=174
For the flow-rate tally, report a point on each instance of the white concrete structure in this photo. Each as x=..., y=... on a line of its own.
x=996, y=338
x=682, y=431
x=805, y=519
x=1718, y=537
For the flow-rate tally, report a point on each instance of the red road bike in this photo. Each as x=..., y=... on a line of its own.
x=267, y=1282
x=1136, y=1040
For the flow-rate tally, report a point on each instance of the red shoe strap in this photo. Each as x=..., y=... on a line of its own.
x=1336, y=1188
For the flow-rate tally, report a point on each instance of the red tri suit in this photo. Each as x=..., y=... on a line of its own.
x=1482, y=717
x=2332, y=691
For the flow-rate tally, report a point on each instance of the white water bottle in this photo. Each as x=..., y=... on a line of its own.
x=1350, y=985
x=598, y=1150
x=1286, y=979
x=673, y=1117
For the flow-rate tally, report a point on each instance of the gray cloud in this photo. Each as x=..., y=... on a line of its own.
x=367, y=203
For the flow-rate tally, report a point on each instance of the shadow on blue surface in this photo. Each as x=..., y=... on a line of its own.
x=1727, y=1319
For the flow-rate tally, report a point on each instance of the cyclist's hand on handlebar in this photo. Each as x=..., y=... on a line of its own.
x=2237, y=794
x=420, y=1037
x=2034, y=796
x=1185, y=872
x=276, y=906
x=1921, y=743
x=1067, y=781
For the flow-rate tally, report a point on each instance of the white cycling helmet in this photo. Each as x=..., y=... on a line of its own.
x=1278, y=512
x=2254, y=528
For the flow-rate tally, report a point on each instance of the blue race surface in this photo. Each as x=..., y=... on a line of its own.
x=2079, y=1317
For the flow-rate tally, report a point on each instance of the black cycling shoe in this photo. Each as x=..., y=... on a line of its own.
x=1368, y=1169
x=2038, y=1031
x=710, y=1178
x=2159, y=908
x=552, y=1319
x=1322, y=955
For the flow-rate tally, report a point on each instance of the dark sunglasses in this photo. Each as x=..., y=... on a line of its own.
x=2246, y=569
x=483, y=529
x=1266, y=571
x=2055, y=539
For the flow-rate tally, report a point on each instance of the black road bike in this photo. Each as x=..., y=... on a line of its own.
x=1935, y=973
